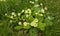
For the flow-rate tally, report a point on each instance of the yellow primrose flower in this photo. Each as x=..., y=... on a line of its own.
x=5, y=14
x=11, y=17
x=42, y=10
x=41, y=4
x=27, y=16
x=34, y=24
x=35, y=20
x=36, y=13
x=31, y=2
x=45, y=8
x=11, y=21
x=36, y=5
x=19, y=14
x=40, y=14
x=26, y=11
x=29, y=10
x=25, y=23
x=22, y=11
x=13, y=13
x=19, y=23
x=49, y=17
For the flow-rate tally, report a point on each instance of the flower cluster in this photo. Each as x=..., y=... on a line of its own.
x=34, y=23
x=38, y=14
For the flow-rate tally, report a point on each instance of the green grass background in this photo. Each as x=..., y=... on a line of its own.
x=18, y=5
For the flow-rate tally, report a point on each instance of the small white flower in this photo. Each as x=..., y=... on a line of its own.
x=49, y=17
x=36, y=13
x=40, y=14
x=25, y=23
x=22, y=11
x=29, y=10
x=13, y=13
x=11, y=21
x=19, y=14
x=27, y=16
x=42, y=10
x=19, y=23
x=41, y=4
x=31, y=2
x=35, y=20
x=36, y=5
x=26, y=11
x=11, y=17
x=34, y=24
x=5, y=14
x=45, y=8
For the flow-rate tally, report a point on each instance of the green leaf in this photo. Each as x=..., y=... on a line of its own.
x=18, y=27
x=30, y=19
x=27, y=27
x=41, y=26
